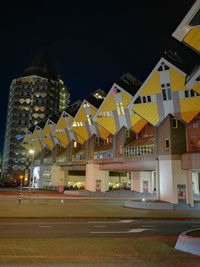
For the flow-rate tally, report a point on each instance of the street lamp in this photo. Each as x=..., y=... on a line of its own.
x=31, y=152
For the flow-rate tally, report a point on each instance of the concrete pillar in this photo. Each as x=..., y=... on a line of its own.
x=195, y=182
x=157, y=180
x=66, y=177
x=96, y=176
x=189, y=193
x=57, y=176
x=136, y=182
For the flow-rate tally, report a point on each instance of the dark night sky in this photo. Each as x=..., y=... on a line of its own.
x=90, y=43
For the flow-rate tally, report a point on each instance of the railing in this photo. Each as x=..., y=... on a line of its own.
x=60, y=159
x=37, y=162
x=77, y=157
x=103, y=154
x=48, y=161
x=139, y=150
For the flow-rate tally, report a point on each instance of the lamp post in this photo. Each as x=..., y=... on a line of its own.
x=31, y=152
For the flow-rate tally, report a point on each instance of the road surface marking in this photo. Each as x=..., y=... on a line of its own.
x=105, y=222
x=147, y=226
x=100, y=226
x=126, y=221
x=136, y=230
x=47, y=226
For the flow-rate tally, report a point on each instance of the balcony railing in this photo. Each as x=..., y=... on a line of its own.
x=103, y=154
x=60, y=159
x=48, y=161
x=77, y=157
x=145, y=150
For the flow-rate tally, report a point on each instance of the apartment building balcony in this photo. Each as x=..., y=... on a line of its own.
x=105, y=154
x=140, y=148
x=79, y=156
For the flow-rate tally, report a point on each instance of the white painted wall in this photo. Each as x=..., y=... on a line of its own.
x=195, y=181
x=171, y=175
x=166, y=180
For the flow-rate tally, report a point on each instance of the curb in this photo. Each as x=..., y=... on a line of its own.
x=103, y=218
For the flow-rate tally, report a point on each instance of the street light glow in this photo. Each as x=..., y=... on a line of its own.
x=31, y=151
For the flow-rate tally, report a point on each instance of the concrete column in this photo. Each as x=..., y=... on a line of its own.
x=94, y=174
x=152, y=182
x=157, y=180
x=59, y=176
x=195, y=182
x=135, y=182
x=189, y=193
x=132, y=178
x=66, y=177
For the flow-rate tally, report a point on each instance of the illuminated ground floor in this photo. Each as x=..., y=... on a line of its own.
x=167, y=178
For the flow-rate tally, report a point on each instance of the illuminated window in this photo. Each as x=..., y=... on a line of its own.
x=74, y=124
x=75, y=144
x=36, y=108
x=194, y=134
x=42, y=108
x=167, y=144
x=89, y=119
x=118, y=109
x=174, y=123
x=122, y=108
x=127, y=133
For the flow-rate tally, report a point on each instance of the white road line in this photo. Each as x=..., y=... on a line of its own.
x=136, y=230
x=45, y=226
x=100, y=226
x=145, y=226
x=105, y=222
x=126, y=221
x=120, y=232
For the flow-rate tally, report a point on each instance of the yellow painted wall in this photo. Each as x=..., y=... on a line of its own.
x=47, y=129
x=126, y=99
x=27, y=138
x=108, y=123
x=152, y=87
x=81, y=116
x=48, y=142
x=28, y=147
x=137, y=122
x=35, y=134
x=148, y=111
x=61, y=124
x=103, y=132
x=37, y=146
x=177, y=80
x=82, y=131
x=93, y=110
x=193, y=38
x=80, y=139
x=62, y=137
x=196, y=88
x=109, y=103
x=189, y=108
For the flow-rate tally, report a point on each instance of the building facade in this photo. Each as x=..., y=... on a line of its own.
x=35, y=96
x=143, y=137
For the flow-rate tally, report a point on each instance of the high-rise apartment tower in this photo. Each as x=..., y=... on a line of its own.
x=35, y=96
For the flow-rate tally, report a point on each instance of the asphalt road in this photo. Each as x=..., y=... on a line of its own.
x=49, y=228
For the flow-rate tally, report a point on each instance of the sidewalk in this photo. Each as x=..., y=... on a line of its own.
x=70, y=208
